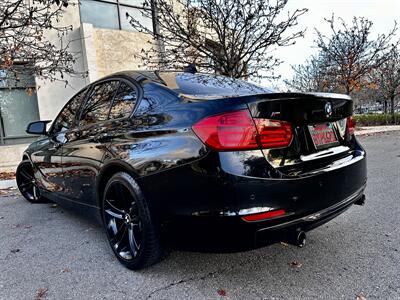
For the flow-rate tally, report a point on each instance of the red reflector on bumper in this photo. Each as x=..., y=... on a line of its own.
x=265, y=215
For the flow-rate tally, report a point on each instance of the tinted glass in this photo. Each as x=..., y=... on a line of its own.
x=155, y=98
x=66, y=117
x=137, y=15
x=97, y=106
x=18, y=108
x=18, y=105
x=209, y=85
x=100, y=14
x=124, y=102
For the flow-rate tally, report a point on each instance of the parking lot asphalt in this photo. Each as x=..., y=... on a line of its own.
x=47, y=252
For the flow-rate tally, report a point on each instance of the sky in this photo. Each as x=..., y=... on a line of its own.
x=382, y=13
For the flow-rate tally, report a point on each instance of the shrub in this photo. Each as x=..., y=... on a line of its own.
x=377, y=119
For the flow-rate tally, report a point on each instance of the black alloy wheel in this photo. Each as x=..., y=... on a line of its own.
x=26, y=182
x=130, y=230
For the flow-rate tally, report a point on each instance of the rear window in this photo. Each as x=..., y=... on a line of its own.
x=210, y=85
x=124, y=102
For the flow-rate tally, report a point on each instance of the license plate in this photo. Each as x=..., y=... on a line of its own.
x=323, y=135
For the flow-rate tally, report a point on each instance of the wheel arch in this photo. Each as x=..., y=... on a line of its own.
x=106, y=172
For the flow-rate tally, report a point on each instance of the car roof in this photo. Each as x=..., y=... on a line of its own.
x=196, y=85
x=140, y=75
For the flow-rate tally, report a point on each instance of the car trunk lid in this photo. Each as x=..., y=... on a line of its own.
x=318, y=122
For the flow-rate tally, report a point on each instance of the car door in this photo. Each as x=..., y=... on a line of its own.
x=84, y=150
x=47, y=157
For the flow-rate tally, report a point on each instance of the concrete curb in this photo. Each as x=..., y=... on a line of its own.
x=9, y=183
x=364, y=131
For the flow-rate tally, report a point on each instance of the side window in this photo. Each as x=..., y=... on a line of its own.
x=98, y=104
x=67, y=115
x=124, y=102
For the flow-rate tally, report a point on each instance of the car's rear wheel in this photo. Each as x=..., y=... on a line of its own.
x=131, y=232
x=26, y=182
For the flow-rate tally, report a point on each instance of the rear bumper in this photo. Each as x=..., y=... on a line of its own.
x=216, y=191
x=230, y=234
x=279, y=232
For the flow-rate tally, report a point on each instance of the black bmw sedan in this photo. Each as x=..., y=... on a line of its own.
x=144, y=151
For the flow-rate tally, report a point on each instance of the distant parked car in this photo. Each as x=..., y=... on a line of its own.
x=143, y=150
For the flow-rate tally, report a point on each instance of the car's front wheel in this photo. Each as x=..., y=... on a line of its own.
x=131, y=232
x=27, y=184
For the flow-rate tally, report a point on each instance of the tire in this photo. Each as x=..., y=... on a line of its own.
x=131, y=231
x=26, y=183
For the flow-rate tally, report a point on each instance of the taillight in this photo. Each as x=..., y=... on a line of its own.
x=264, y=215
x=274, y=133
x=238, y=131
x=350, y=125
x=229, y=131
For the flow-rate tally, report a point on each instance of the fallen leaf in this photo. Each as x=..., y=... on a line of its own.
x=3, y=193
x=221, y=292
x=41, y=293
x=295, y=264
x=29, y=92
x=360, y=297
x=15, y=250
x=284, y=244
x=7, y=175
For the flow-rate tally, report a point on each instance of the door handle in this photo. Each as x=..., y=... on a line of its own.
x=55, y=146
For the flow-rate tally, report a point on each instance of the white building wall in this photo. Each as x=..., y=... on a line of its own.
x=53, y=95
x=89, y=51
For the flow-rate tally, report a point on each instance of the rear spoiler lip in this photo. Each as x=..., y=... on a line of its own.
x=305, y=95
x=330, y=95
x=270, y=96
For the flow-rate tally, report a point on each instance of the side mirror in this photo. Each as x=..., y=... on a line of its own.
x=38, y=127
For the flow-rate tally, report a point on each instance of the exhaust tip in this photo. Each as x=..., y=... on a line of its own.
x=297, y=238
x=301, y=239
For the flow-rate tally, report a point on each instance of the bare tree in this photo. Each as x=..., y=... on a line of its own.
x=351, y=53
x=24, y=46
x=387, y=77
x=229, y=37
x=312, y=76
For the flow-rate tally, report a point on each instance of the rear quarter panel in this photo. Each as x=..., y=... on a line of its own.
x=158, y=143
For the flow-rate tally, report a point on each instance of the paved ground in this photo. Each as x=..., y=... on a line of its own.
x=46, y=250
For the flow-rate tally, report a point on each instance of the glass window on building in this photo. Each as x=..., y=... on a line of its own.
x=18, y=107
x=112, y=13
